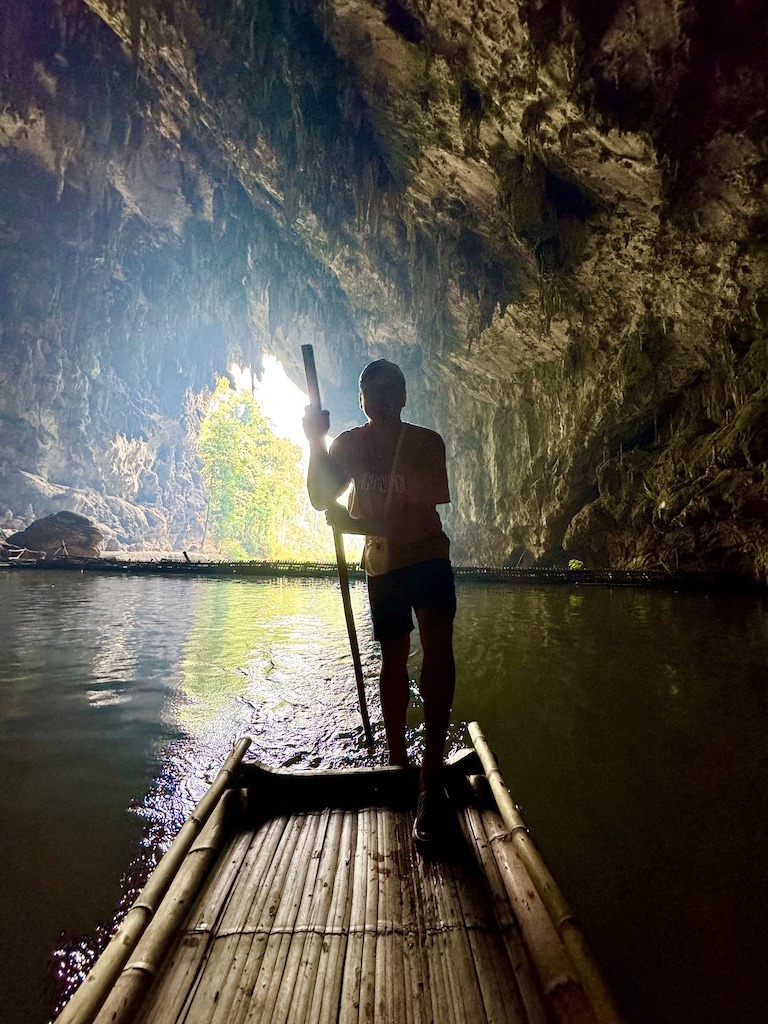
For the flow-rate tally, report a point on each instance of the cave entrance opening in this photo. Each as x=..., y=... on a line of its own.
x=254, y=456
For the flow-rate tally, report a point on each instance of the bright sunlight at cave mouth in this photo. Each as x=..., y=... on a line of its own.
x=280, y=399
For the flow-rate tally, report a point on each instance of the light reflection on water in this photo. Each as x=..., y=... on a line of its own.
x=625, y=722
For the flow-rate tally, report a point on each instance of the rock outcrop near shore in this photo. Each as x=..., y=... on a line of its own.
x=552, y=213
x=64, y=535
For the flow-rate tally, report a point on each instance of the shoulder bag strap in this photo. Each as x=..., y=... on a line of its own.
x=392, y=472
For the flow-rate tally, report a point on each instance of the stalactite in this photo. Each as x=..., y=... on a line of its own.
x=135, y=13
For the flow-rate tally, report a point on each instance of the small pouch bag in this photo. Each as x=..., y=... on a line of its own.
x=376, y=550
x=376, y=555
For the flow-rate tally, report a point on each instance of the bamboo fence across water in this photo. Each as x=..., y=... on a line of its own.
x=304, y=900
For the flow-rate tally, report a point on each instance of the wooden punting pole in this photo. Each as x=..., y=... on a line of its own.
x=313, y=389
x=89, y=997
x=568, y=928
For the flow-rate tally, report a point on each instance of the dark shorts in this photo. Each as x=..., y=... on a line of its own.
x=423, y=585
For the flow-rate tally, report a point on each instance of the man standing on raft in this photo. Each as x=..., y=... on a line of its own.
x=398, y=475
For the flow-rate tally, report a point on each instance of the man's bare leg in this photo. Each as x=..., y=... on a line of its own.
x=437, y=683
x=393, y=687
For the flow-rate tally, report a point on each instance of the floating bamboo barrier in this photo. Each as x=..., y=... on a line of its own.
x=322, y=570
x=303, y=900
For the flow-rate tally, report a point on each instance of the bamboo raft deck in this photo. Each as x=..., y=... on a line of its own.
x=303, y=900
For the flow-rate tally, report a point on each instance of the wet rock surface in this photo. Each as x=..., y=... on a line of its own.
x=552, y=213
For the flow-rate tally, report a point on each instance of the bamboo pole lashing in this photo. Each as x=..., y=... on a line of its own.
x=86, y=1001
x=570, y=931
x=143, y=968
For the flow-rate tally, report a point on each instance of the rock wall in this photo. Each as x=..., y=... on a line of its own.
x=551, y=212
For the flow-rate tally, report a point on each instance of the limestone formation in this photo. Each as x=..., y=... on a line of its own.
x=551, y=212
x=63, y=535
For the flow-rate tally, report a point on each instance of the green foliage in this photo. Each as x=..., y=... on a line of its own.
x=257, y=496
x=575, y=563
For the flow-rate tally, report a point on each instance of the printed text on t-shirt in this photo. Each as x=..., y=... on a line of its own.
x=380, y=482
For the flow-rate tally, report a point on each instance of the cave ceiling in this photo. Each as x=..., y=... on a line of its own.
x=552, y=213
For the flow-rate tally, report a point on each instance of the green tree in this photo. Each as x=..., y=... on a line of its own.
x=254, y=480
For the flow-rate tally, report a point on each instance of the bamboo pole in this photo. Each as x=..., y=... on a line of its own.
x=86, y=1001
x=170, y=1000
x=285, y=998
x=313, y=389
x=565, y=997
x=370, y=858
x=414, y=943
x=226, y=998
x=444, y=931
x=496, y=979
x=456, y=890
x=351, y=961
x=317, y=924
x=129, y=990
x=185, y=966
x=394, y=882
x=528, y=993
x=278, y=977
x=568, y=928
x=330, y=994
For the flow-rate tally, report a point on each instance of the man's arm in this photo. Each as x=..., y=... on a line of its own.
x=325, y=477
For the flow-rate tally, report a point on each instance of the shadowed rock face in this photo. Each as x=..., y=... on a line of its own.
x=552, y=213
x=64, y=534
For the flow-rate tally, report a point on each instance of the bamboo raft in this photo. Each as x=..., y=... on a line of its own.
x=299, y=897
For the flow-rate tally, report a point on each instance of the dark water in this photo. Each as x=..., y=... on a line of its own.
x=630, y=726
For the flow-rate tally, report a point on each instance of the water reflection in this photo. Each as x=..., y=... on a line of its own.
x=627, y=722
